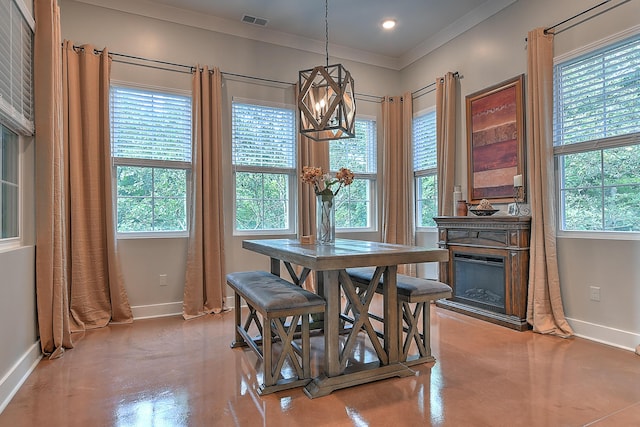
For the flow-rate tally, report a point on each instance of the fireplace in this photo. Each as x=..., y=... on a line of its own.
x=480, y=281
x=488, y=267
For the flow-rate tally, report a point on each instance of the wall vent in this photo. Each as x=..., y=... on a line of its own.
x=255, y=21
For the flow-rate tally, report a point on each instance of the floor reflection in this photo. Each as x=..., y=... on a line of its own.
x=169, y=408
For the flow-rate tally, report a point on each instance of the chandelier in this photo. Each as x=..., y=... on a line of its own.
x=326, y=98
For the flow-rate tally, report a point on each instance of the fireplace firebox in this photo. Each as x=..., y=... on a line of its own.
x=488, y=267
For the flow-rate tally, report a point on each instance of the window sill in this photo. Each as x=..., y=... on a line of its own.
x=599, y=235
x=153, y=235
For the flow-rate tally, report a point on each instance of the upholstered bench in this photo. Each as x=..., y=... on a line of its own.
x=410, y=290
x=282, y=305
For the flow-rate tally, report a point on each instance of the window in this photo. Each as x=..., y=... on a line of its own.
x=355, y=205
x=425, y=168
x=596, y=139
x=9, y=202
x=264, y=167
x=151, y=150
x=16, y=67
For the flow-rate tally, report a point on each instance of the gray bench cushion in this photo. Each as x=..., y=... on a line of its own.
x=410, y=287
x=273, y=293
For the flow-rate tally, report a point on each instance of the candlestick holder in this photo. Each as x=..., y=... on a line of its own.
x=518, y=198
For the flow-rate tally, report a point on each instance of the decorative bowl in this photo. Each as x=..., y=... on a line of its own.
x=483, y=212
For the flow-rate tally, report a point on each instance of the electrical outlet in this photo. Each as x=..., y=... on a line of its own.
x=594, y=294
x=162, y=280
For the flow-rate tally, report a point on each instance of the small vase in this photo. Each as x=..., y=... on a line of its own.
x=325, y=219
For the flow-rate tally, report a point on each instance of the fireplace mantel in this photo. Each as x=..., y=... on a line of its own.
x=500, y=238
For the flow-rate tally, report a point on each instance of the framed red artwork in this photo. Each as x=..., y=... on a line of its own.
x=495, y=140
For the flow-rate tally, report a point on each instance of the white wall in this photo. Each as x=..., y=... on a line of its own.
x=20, y=349
x=492, y=52
x=144, y=260
x=495, y=51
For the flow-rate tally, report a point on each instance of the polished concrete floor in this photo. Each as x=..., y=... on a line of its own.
x=171, y=372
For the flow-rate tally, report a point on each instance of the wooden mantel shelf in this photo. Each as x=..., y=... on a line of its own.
x=499, y=237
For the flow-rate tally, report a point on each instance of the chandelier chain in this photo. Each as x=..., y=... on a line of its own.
x=326, y=30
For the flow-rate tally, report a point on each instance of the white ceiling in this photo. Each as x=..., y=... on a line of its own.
x=355, y=30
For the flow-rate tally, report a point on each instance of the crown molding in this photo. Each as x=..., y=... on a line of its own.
x=226, y=26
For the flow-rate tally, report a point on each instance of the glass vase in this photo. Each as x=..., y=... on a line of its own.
x=325, y=219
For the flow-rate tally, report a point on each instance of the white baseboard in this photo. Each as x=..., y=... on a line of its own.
x=17, y=375
x=156, y=310
x=606, y=335
x=164, y=310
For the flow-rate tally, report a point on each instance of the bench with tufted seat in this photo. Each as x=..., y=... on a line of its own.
x=281, y=305
x=411, y=290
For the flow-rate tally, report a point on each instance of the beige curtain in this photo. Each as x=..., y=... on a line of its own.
x=96, y=289
x=205, y=283
x=446, y=141
x=51, y=279
x=544, y=308
x=397, y=172
x=78, y=282
x=312, y=153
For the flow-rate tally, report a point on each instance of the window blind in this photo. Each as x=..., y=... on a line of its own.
x=424, y=142
x=16, y=69
x=263, y=136
x=358, y=153
x=598, y=95
x=150, y=125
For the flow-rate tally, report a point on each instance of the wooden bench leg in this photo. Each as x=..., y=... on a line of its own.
x=413, y=334
x=299, y=358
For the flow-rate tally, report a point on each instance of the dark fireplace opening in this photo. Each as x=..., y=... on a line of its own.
x=480, y=281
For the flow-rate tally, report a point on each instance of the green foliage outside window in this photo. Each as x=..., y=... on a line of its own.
x=151, y=199
x=262, y=200
x=426, y=200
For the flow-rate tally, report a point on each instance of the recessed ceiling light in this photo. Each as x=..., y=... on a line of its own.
x=388, y=24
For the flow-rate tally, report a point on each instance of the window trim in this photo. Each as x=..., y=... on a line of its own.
x=423, y=173
x=291, y=174
x=373, y=178
x=599, y=144
x=11, y=243
x=125, y=161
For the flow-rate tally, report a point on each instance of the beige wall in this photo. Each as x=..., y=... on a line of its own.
x=490, y=53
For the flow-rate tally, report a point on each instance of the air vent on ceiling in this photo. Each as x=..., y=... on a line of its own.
x=255, y=21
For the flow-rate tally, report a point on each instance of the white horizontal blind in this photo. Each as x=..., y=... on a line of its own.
x=358, y=153
x=598, y=95
x=424, y=142
x=16, y=69
x=150, y=125
x=263, y=136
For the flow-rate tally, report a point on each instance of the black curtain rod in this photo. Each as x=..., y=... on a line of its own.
x=188, y=69
x=551, y=28
x=455, y=74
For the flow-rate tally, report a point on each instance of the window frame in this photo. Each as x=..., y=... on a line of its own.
x=371, y=178
x=291, y=174
x=598, y=145
x=421, y=173
x=9, y=243
x=151, y=163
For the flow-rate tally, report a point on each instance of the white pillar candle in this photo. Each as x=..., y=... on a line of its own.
x=517, y=181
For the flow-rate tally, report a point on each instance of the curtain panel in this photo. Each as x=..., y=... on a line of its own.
x=544, y=306
x=397, y=170
x=205, y=281
x=51, y=280
x=446, y=141
x=78, y=281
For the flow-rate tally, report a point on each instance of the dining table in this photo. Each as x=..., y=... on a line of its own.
x=329, y=263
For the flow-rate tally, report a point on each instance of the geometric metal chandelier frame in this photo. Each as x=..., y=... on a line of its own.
x=326, y=99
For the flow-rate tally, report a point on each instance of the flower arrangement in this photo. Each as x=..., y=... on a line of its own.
x=323, y=182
